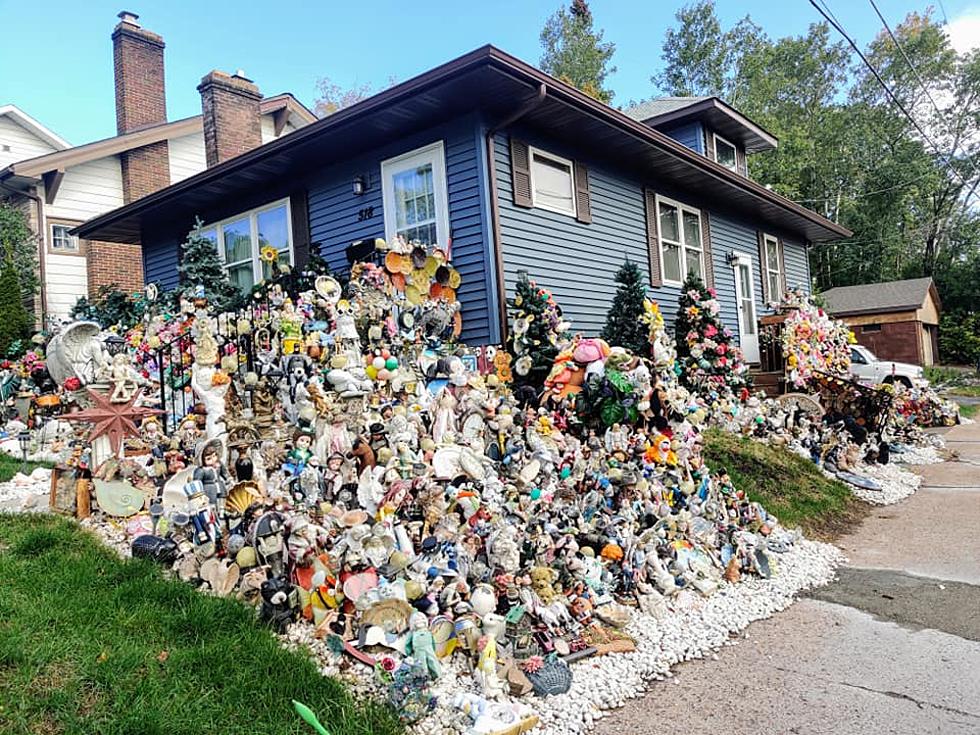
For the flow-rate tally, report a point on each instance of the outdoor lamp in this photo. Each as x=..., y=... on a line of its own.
x=360, y=185
x=24, y=439
x=731, y=257
x=114, y=344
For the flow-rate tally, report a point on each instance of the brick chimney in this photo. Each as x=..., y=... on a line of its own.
x=232, y=120
x=141, y=102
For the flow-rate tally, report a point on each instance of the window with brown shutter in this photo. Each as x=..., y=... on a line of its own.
x=772, y=267
x=520, y=171
x=653, y=240
x=583, y=204
x=782, y=270
x=709, y=266
x=709, y=144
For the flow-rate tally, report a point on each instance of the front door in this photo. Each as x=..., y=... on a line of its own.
x=748, y=326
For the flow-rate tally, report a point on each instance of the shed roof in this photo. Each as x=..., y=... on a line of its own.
x=496, y=84
x=884, y=298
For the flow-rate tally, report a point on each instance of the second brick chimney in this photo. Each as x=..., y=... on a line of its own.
x=141, y=102
x=232, y=119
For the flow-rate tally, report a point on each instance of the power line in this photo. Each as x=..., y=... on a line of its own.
x=894, y=98
x=919, y=79
x=943, y=9
x=866, y=194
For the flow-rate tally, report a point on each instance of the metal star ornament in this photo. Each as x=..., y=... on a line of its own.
x=117, y=421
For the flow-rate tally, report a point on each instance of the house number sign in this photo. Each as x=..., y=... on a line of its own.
x=366, y=213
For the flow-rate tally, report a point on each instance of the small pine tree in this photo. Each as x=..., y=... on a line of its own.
x=537, y=328
x=15, y=325
x=200, y=266
x=706, y=351
x=624, y=322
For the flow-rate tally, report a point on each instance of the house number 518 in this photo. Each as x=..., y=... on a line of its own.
x=366, y=213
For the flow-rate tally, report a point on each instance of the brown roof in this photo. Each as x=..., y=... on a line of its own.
x=664, y=112
x=60, y=160
x=879, y=298
x=496, y=82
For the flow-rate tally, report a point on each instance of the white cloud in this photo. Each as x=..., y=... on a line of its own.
x=964, y=30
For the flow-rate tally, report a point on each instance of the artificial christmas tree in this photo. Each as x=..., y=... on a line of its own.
x=15, y=325
x=537, y=328
x=708, y=358
x=624, y=325
x=201, y=269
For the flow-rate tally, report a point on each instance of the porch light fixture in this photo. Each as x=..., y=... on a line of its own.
x=114, y=344
x=730, y=257
x=360, y=185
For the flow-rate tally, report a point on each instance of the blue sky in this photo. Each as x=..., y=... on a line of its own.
x=56, y=58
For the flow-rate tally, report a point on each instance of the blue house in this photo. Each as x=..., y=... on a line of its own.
x=519, y=172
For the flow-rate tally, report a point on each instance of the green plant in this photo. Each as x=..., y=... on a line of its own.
x=111, y=307
x=17, y=239
x=16, y=323
x=943, y=375
x=201, y=270
x=624, y=324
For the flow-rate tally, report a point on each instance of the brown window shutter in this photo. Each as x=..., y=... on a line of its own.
x=709, y=266
x=653, y=239
x=782, y=272
x=763, y=269
x=520, y=171
x=709, y=144
x=300, y=215
x=740, y=163
x=583, y=204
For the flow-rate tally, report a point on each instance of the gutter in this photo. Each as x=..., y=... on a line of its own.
x=498, y=254
x=40, y=247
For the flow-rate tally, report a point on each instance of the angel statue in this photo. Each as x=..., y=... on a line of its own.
x=78, y=352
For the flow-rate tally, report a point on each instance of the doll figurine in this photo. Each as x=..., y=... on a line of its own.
x=300, y=454
x=485, y=672
x=422, y=645
x=212, y=473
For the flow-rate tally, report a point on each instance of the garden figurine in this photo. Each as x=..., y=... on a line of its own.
x=421, y=645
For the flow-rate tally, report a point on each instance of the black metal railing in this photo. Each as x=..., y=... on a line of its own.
x=771, y=358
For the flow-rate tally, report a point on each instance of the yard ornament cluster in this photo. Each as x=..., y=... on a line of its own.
x=491, y=538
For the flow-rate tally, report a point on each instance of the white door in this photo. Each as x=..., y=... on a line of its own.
x=748, y=326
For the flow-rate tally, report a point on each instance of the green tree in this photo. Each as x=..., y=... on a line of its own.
x=17, y=239
x=706, y=349
x=536, y=330
x=201, y=269
x=624, y=326
x=574, y=51
x=15, y=326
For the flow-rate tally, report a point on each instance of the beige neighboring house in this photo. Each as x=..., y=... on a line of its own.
x=62, y=186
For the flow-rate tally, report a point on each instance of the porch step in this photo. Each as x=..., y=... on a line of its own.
x=771, y=383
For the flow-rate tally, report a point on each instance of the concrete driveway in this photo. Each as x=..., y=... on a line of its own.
x=892, y=647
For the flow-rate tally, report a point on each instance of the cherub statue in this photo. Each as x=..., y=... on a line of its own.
x=124, y=378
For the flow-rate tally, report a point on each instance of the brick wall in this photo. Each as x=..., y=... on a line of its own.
x=232, y=119
x=145, y=170
x=112, y=263
x=898, y=341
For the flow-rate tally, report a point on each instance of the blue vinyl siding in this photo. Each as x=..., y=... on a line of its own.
x=160, y=258
x=797, y=264
x=334, y=217
x=577, y=262
x=690, y=134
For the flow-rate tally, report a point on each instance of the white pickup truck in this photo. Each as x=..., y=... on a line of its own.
x=867, y=368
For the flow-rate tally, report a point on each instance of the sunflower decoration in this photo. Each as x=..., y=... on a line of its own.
x=268, y=254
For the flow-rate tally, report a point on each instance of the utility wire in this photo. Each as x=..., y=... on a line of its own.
x=918, y=78
x=892, y=96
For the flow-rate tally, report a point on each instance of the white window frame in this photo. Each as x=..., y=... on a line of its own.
x=767, y=239
x=532, y=152
x=681, y=208
x=434, y=154
x=74, y=248
x=734, y=166
x=252, y=215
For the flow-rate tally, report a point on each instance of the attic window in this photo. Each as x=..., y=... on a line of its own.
x=725, y=153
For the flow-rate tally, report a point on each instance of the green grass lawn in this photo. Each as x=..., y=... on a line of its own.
x=9, y=466
x=787, y=485
x=91, y=643
x=969, y=410
x=973, y=391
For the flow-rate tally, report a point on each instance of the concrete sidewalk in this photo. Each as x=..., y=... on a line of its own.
x=891, y=647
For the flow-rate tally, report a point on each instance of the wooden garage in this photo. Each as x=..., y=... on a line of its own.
x=897, y=320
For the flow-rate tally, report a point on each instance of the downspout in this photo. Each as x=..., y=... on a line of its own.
x=495, y=209
x=40, y=246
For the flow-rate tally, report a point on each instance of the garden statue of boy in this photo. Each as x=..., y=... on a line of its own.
x=422, y=645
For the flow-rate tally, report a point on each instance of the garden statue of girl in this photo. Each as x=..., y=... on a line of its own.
x=212, y=473
x=421, y=645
